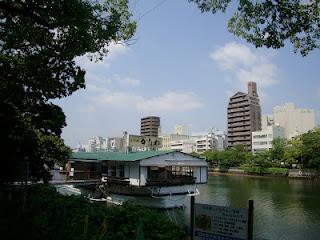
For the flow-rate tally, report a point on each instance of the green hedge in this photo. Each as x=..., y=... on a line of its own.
x=42, y=213
x=262, y=170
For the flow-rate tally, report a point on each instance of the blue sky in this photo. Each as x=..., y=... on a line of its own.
x=182, y=66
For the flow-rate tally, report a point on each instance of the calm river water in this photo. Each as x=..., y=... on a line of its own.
x=284, y=208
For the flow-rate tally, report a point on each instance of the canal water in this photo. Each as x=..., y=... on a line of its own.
x=283, y=208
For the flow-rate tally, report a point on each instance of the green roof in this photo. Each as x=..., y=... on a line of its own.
x=116, y=156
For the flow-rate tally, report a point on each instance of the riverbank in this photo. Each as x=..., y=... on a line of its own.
x=266, y=173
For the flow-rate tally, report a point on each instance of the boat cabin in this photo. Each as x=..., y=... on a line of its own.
x=148, y=168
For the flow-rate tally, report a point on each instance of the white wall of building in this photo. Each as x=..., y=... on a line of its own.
x=204, y=176
x=168, y=139
x=177, y=159
x=96, y=144
x=185, y=146
x=181, y=130
x=295, y=121
x=143, y=175
x=131, y=171
x=214, y=140
x=262, y=140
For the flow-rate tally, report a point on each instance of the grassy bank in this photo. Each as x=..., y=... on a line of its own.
x=42, y=213
x=266, y=171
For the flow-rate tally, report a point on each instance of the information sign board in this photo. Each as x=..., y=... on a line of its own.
x=220, y=223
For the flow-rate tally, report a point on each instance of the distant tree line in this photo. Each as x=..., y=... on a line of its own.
x=302, y=150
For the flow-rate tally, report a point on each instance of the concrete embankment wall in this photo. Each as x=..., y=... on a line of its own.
x=297, y=173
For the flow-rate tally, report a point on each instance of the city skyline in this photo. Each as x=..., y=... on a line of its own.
x=184, y=74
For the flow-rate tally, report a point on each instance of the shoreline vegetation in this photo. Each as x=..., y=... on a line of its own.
x=266, y=173
x=295, y=158
x=40, y=212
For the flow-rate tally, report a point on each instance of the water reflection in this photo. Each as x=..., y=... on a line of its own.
x=284, y=208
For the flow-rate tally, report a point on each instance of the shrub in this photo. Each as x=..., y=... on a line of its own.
x=262, y=170
x=42, y=213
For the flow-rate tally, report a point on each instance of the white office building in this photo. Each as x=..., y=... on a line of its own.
x=168, y=139
x=96, y=144
x=294, y=120
x=262, y=140
x=181, y=130
x=185, y=146
x=199, y=143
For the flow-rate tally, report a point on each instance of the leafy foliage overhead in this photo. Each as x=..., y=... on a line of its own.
x=39, y=42
x=271, y=23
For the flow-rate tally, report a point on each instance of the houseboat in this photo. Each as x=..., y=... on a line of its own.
x=156, y=178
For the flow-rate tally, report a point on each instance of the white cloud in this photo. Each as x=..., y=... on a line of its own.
x=88, y=109
x=128, y=81
x=264, y=74
x=117, y=99
x=92, y=88
x=245, y=65
x=114, y=50
x=170, y=102
x=233, y=55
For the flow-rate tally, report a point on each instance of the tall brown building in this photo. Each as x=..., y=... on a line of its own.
x=244, y=116
x=150, y=126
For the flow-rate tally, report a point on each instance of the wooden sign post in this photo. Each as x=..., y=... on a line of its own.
x=192, y=216
x=250, y=220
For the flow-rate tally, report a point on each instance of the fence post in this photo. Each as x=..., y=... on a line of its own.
x=250, y=220
x=192, y=216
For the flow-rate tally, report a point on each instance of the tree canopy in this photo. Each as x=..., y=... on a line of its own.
x=39, y=42
x=271, y=23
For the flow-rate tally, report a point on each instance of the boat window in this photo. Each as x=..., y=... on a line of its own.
x=157, y=173
x=182, y=171
x=104, y=169
x=113, y=171
x=121, y=171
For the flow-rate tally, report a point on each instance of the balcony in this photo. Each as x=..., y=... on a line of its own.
x=240, y=124
x=239, y=129
x=238, y=119
x=240, y=105
x=239, y=114
x=239, y=109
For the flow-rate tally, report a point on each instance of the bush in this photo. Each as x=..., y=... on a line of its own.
x=278, y=171
x=42, y=213
x=262, y=170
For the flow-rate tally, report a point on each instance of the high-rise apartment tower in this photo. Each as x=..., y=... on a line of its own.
x=244, y=116
x=150, y=126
